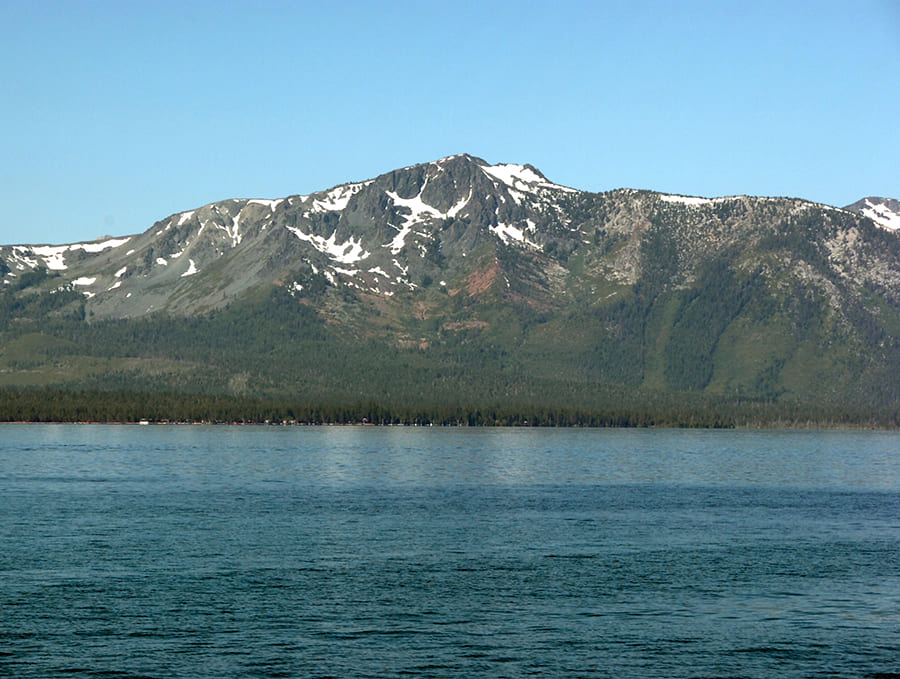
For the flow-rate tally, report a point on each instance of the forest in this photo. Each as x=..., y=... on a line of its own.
x=94, y=406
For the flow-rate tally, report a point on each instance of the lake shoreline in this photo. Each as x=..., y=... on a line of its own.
x=807, y=426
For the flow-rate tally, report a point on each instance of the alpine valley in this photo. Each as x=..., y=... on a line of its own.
x=486, y=292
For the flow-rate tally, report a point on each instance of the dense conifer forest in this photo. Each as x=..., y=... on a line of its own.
x=54, y=405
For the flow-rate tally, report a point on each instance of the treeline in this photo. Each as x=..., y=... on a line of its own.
x=55, y=405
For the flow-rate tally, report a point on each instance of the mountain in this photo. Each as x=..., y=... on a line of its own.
x=462, y=282
x=364, y=235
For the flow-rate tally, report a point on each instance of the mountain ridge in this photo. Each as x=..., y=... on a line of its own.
x=341, y=245
x=433, y=270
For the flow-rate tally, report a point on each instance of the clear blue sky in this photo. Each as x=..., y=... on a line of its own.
x=116, y=114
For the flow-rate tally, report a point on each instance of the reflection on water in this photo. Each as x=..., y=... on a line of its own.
x=361, y=456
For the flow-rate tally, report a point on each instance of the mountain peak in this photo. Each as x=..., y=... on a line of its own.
x=516, y=176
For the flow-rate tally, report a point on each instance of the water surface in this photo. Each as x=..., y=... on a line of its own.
x=357, y=551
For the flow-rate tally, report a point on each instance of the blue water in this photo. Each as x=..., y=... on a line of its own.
x=133, y=551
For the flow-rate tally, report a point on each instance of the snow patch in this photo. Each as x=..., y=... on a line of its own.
x=396, y=245
x=192, y=269
x=507, y=232
x=235, y=232
x=271, y=204
x=419, y=210
x=403, y=269
x=348, y=252
x=160, y=260
x=121, y=272
x=53, y=256
x=185, y=216
x=696, y=201
x=84, y=280
x=100, y=247
x=521, y=178
x=517, y=196
x=21, y=258
x=416, y=206
x=686, y=200
x=882, y=215
x=337, y=198
x=455, y=210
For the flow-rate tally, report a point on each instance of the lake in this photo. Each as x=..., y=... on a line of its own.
x=197, y=551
